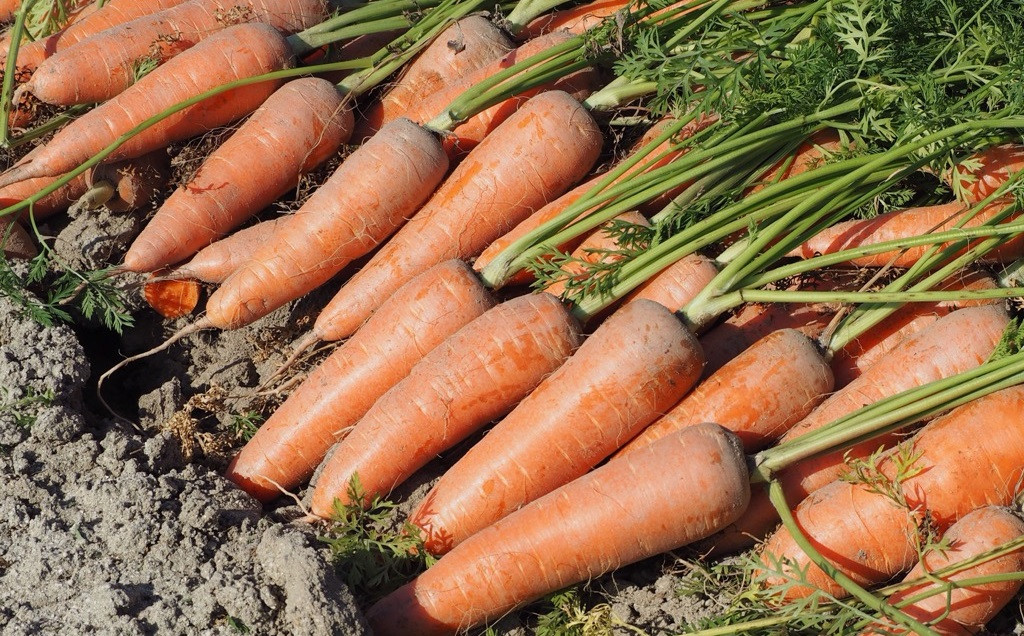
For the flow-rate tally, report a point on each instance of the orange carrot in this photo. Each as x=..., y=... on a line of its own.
x=470, y=133
x=678, y=283
x=297, y=128
x=946, y=484
x=69, y=77
x=599, y=246
x=638, y=363
x=418, y=317
x=575, y=20
x=112, y=13
x=220, y=259
x=953, y=344
x=476, y=375
x=966, y=609
x=670, y=494
x=464, y=47
x=905, y=223
x=397, y=170
x=986, y=171
x=235, y=53
x=808, y=155
x=51, y=204
x=531, y=159
x=172, y=298
x=781, y=377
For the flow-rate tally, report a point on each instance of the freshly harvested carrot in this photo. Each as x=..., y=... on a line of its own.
x=297, y=128
x=953, y=344
x=966, y=609
x=397, y=170
x=530, y=160
x=172, y=298
x=678, y=283
x=57, y=201
x=477, y=374
x=29, y=53
x=850, y=361
x=808, y=155
x=8, y=8
x=69, y=77
x=905, y=223
x=112, y=13
x=781, y=377
x=672, y=493
x=984, y=172
x=235, y=53
x=418, y=317
x=639, y=362
x=470, y=133
x=575, y=20
x=14, y=240
x=464, y=47
x=220, y=259
x=947, y=483
x=600, y=246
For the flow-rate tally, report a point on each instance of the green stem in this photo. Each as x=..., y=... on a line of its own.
x=10, y=70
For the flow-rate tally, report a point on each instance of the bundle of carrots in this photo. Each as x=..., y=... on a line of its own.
x=795, y=260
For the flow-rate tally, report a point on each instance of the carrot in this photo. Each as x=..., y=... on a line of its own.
x=462, y=48
x=809, y=155
x=953, y=344
x=781, y=377
x=15, y=240
x=68, y=77
x=984, y=172
x=172, y=298
x=112, y=13
x=57, y=201
x=575, y=20
x=965, y=609
x=477, y=374
x=8, y=8
x=600, y=246
x=945, y=484
x=670, y=494
x=678, y=283
x=218, y=260
x=29, y=52
x=471, y=132
x=638, y=363
x=298, y=127
x=530, y=160
x=235, y=53
x=397, y=170
x=418, y=317
x=905, y=223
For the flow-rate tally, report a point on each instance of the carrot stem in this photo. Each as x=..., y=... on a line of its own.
x=10, y=70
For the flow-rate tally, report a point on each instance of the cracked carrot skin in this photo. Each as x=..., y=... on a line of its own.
x=297, y=128
x=638, y=363
x=104, y=65
x=969, y=608
x=235, y=53
x=371, y=194
x=531, y=159
x=478, y=374
x=667, y=495
x=461, y=49
x=876, y=543
x=953, y=344
x=418, y=317
x=758, y=395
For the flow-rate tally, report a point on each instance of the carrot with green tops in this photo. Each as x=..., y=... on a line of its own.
x=678, y=283
x=398, y=169
x=637, y=364
x=297, y=128
x=601, y=246
x=957, y=607
x=906, y=223
x=464, y=47
x=943, y=481
x=665, y=496
x=574, y=20
x=417, y=318
x=530, y=160
x=477, y=374
x=235, y=53
x=69, y=77
x=984, y=172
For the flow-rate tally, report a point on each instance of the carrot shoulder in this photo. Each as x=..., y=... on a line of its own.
x=476, y=375
x=665, y=496
x=418, y=317
x=298, y=127
x=235, y=53
x=531, y=159
x=637, y=364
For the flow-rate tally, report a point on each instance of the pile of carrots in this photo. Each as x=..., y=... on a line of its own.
x=738, y=320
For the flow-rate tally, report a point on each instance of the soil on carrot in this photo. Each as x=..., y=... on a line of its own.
x=125, y=526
